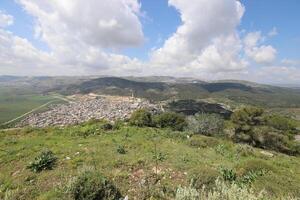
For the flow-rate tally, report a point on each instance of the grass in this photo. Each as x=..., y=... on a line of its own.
x=156, y=161
x=15, y=103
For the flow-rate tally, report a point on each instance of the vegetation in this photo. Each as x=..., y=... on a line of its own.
x=45, y=161
x=264, y=131
x=144, y=118
x=206, y=124
x=222, y=191
x=141, y=118
x=157, y=161
x=92, y=185
x=171, y=120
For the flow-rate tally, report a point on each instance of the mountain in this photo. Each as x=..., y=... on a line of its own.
x=237, y=91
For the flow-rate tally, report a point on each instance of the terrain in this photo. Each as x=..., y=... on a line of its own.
x=149, y=137
x=150, y=153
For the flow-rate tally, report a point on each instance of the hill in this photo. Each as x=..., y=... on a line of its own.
x=143, y=163
x=240, y=92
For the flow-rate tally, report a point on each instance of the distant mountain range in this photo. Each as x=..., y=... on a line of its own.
x=159, y=88
x=241, y=92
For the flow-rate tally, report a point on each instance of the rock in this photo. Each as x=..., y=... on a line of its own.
x=268, y=154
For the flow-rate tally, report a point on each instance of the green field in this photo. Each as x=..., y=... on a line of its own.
x=161, y=159
x=15, y=102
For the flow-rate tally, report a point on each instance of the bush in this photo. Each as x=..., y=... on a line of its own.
x=280, y=123
x=201, y=177
x=245, y=150
x=249, y=116
x=228, y=174
x=92, y=185
x=45, y=161
x=121, y=149
x=107, y=126
x=206, y=124
x=203, y=142
x=221, y=190
x=187, y=193
x=141, y=118
x=171, y=120
x=250, y=170
x=268, y=132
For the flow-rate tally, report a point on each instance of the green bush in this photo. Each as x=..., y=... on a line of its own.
x=228, y=174
x=203, y=176
x=203, y=142
x=92, y=185
x=268, y=132
x=45, y=161
x=206, y=124
x=107, y=126
x=280, y=122
x=141, y=118
x=121, y=149
x=171, y=120
x=249, y=170
x=249, y=116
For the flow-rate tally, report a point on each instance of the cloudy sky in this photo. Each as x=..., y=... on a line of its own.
x=257, y=40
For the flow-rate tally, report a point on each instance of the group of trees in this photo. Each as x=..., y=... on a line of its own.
x=144, y=118
x=267, y=131
x=251, y=125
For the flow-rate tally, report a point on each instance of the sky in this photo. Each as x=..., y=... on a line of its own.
x=255, y=40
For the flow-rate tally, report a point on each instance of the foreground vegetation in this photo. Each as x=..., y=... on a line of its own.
x=98, y=160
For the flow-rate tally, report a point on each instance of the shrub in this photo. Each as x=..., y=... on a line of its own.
x=171, y=120
x=187, y=193
x=141, y=118
x=228, y=174
x=268, y=132
x=221, y=190
x=107, y=126
x=280, y=122
x=203, y=177
x=245, y=150
x=203, y=142
x=253, y=166
x=92, y=185
x=206, y=124
x=250, y=116
x=250, y=170
x=45, y=161
x=121, y=149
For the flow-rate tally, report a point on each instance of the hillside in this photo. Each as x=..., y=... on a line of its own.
x=140, y=162
x=240, y=92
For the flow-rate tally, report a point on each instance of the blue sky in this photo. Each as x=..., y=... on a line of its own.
x=154, y=23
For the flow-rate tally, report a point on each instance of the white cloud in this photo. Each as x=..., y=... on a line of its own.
x=83, y=37
x=5, y=19
x=206, y=41
x=291, y=62
x=279, y=74
x=18, y=55
x=259, y=53
x=105, y=23
x=273, y=32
